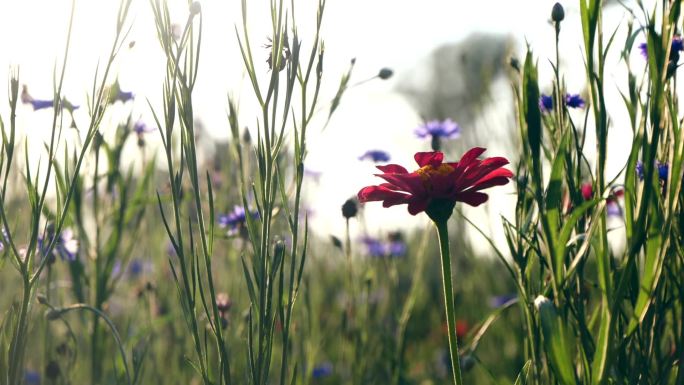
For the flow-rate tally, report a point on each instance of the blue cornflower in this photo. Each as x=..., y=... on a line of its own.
x=66, y=246
x=323, y=370
x=447, y=129
x=374, y=247
x=376, y=156
x=40, y=104
x=613, y=209
x=571, y=100
x=640, y=170
x=499, y=300
x=31, y=377
x=663, y=169
x=676, y=47
x=313, y=174
x=396, y=248
x=140, y=128
x=574, y=101
x=235, y=219
x=117, y=94
x=546, y=103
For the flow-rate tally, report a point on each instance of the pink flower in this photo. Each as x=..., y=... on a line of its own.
x=437, y=186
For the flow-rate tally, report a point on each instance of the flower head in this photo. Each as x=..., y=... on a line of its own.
x=235, y=220
x=116, y=94
x=436, y=186
x=375, y=156
x=546, y=103
x=374, y=247
x=574, y=101
x=571, y=100
x=66, y=246
x=323, y=370
x=141, y=128
x=676, y=47
x=501, y=300
x=663, y=170
x=447, y=129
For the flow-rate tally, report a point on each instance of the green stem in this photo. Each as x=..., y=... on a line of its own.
x=443, y=234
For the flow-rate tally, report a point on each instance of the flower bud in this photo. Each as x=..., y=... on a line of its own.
x=385, y=73
x=223, y=302
x=350, y=208
x=52, y=370
x=42, y=299
x=53, y=314
x=557, y=13
x=195, y=8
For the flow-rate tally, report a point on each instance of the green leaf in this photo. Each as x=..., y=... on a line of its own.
x=556, y=341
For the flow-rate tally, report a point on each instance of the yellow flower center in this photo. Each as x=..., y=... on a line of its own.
x=426, y=172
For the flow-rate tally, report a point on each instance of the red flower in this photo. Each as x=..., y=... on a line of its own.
x=437, y=186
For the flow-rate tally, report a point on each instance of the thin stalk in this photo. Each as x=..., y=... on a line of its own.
x=443, y=234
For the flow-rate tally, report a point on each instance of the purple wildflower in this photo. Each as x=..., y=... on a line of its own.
x=574, y=101
x=40, y=104
x=640, y=170
x=546, y=103
x=31, y=377
x=140, y=128
x=313, y=174
x=374, y=247
x=117, y=94
x=447, y=129
x=676, y=47
x=323, y=370
x=235, y=219
x=613, y=209
x=663, y=169
x=375, y=156
x=66, y=246
x=500, y=300
x=396, y=246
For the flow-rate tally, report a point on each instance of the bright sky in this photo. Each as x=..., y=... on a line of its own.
x=379, y=33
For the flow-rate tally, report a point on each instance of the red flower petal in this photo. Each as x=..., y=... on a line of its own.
x=417, y=206
x=432, y=158
x=382, y=193
x=411, y=183
x=392, y=169
x=472, y=198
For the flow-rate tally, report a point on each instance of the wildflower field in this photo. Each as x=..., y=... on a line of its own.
x=210, y=193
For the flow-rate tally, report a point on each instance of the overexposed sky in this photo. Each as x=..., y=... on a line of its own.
x=378, y=33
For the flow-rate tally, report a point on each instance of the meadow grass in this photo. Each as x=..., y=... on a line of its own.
x=182, y=269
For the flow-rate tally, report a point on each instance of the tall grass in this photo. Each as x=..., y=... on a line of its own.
x=262, y=299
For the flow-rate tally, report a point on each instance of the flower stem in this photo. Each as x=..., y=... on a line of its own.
x=443, y=234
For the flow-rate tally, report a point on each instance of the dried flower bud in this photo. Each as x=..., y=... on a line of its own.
x=52, y=370
x=514, y=63
x=42, y=299
x=385, y=73
x=350, y=208
x=557, y=13
x=223, y=302
x=336, y=242
x=195, y=8
x=53, y=314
